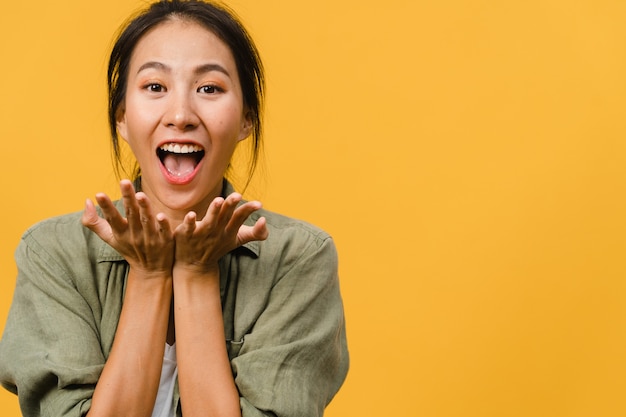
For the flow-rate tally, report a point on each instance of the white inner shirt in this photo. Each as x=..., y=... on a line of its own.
x=163, y=404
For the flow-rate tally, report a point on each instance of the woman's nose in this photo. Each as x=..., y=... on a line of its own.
x=181, y=113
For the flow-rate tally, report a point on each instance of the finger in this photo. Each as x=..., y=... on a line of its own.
x=241, y=214
x=228, y=209
x=211, y=218
x=231, y=202
x=251, y=233
x=260, y=230
x=188, y=226
x=163, y=226
x=147, y=220
x=110, y=213
x=131, y=208
x=90, y=215
x=95, y=223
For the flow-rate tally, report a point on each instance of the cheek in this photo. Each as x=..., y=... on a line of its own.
x=138, y=122
x=137, y=135
x=229, y=119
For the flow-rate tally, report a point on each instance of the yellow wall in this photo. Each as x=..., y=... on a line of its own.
x=467, y=155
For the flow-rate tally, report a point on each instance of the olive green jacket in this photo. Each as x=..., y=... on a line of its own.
x=283, y=318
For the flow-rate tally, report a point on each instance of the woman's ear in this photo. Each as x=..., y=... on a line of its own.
x=122, y=128
x=246, y=125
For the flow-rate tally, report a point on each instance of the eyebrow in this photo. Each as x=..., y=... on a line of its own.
x=201, y=69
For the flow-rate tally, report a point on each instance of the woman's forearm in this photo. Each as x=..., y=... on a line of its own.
x=130, y=379
x=206, y=383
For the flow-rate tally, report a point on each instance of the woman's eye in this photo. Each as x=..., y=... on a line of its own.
x=208, y=89
x=155, y=88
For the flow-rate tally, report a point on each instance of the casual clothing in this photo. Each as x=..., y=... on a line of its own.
x=282, y=309
x=163, y=406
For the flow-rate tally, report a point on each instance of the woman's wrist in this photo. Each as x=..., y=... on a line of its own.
x=194, y=285
x=153, y=275
x=195, y=271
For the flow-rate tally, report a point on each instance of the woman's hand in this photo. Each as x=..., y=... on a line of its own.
x=143, y=239
x=200, y=244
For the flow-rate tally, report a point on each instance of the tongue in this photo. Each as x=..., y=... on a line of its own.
x=179, y=165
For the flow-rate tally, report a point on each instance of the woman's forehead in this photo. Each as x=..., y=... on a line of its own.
x=181, y=40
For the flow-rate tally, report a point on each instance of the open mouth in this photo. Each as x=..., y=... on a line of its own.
x=180, y=160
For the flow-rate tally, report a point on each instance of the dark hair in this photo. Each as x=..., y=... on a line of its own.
x=218, y=19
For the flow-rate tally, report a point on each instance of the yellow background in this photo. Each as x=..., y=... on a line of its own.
x=468, y=157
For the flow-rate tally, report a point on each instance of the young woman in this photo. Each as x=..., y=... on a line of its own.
x=180, y=298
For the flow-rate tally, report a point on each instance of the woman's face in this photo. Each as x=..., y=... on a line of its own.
x=183, y=115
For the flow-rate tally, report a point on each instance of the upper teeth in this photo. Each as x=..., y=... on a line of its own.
x=178, y=148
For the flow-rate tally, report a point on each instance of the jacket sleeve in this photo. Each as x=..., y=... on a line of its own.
x=295, y=358
x=50, y=352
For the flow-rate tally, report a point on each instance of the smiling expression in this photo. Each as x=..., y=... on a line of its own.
x=182, y=115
